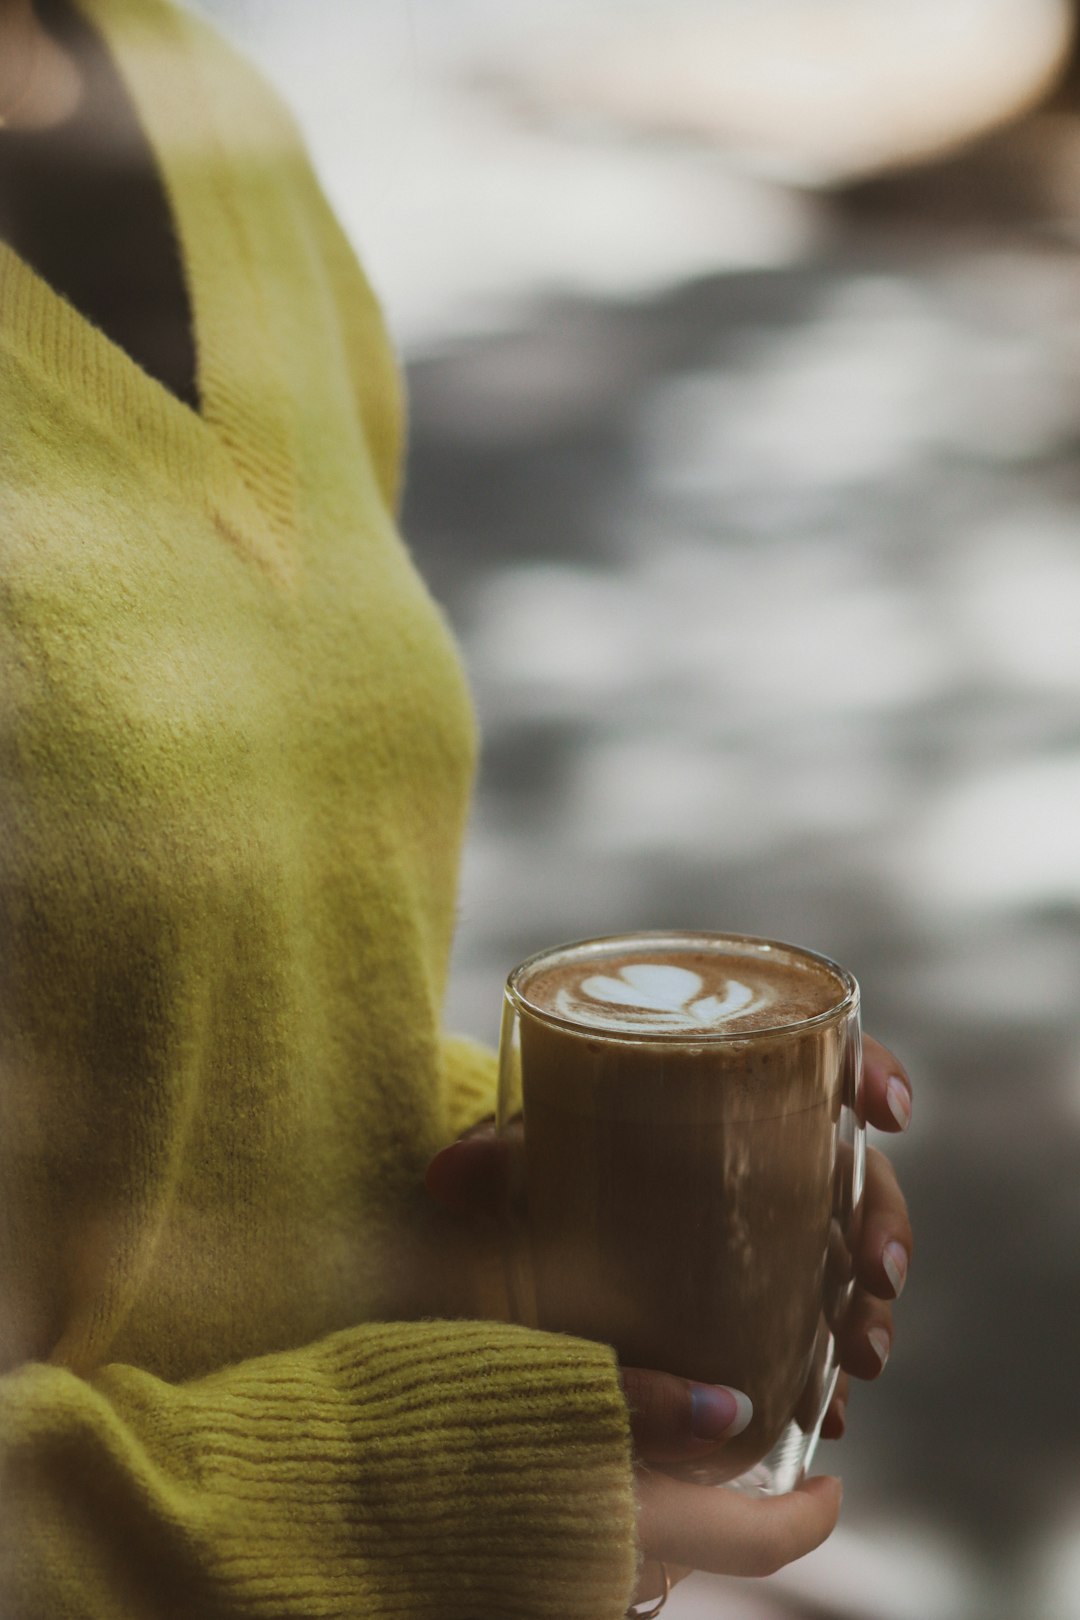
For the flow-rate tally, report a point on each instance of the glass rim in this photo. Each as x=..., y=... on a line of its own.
x=701, y=939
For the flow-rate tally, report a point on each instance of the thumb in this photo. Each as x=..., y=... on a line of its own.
x=472, y=1175
x=673, y=1418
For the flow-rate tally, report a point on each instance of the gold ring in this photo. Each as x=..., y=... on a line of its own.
x=635, y=1612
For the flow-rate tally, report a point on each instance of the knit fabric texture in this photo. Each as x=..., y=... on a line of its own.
x=239, y=1372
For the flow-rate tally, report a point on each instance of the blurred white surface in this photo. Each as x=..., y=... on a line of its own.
x=817, y=91
x=460, y=207
x=479, y=153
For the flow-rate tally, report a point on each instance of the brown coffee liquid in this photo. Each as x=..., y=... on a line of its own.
x=680, y=1149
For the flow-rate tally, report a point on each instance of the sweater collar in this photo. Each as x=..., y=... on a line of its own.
x=215, y=147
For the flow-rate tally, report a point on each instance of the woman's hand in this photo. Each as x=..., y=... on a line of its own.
x=884, y=1247
x=690, y=1526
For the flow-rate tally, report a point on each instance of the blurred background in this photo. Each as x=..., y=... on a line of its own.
x=743, y=342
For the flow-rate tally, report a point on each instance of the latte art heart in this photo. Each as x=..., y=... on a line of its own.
x=698, y=991
x=648, y=996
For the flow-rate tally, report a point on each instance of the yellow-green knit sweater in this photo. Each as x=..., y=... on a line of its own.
x=236, y=756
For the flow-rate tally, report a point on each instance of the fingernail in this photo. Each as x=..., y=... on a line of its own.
x=898, y=1097
x=879, y=1344
x=818, y=1482
x=894, y=1259
x=717, y=1412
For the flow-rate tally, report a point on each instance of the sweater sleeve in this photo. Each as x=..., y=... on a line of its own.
x=458, y=1469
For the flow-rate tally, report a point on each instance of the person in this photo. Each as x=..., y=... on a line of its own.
x=244, y=1363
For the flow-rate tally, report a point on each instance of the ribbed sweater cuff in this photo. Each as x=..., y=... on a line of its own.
x=458, y=1469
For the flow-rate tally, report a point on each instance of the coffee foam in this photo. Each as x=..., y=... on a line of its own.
x=696, y=992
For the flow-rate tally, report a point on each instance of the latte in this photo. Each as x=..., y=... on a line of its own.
x=681, y=1161
x=651, y=990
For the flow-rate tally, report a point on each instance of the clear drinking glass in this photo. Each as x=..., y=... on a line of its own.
x=686, y=1160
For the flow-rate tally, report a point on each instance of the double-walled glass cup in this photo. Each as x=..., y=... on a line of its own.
x=686, y=1169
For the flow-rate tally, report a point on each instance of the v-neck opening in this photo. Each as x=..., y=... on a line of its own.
x=238, y=453
x=92, y=214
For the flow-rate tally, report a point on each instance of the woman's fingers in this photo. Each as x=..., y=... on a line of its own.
x=470, y=1176
x=885, y=1237
x=835, y=1420
x=886, y=1088
x=884, y=1245
x=675, y=1419
x=727, y=1533
x=865, y=1337
x=865, y=1334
